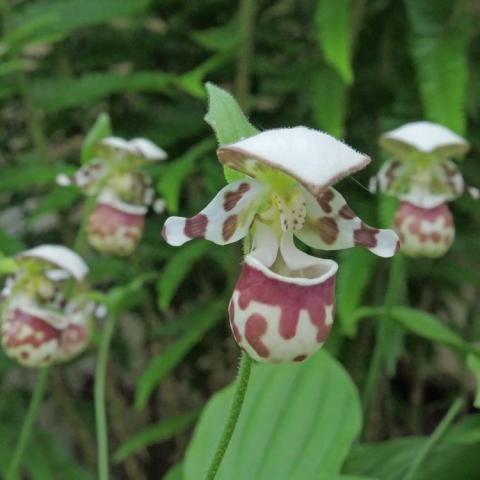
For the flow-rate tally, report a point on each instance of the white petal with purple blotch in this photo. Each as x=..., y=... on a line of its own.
x=332, y=225
x=226, y=219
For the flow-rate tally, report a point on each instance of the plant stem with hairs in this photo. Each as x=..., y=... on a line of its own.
x=235, y=409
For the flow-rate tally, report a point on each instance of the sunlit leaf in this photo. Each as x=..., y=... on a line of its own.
x=100, y=129
x=289, y=412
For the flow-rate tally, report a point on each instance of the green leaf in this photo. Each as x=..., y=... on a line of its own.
x=172, y=175
x=101, y=128
x=428, y=326
x=175, y=473
x=202, y=320
x=389, y=460
x=440, y=51
x=222, y=38
x=329, y=101
x=228, y=122
x=334, y=29
x=8, y=265
x=154, y=434
x=473, y=362
x=176, y=269
x=49, y=20
x=10, y=245
x=354, y=276
x=297, y=421
x=55, y=94
x=226, y=117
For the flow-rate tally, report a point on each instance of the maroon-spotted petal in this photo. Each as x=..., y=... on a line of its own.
x=424, y=232
x=332, y=225
x=283, y=318
x=226, y=219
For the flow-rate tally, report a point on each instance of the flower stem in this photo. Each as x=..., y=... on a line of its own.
x=434, y=438
x=28, y=424
x=384, y=332
x=235, y=409
x=100, y=406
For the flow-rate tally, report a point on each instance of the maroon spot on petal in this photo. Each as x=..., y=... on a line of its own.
x=229, y=227
x=41, y=331
x=328, y=230
x=24, y=355
x=254, y=286
x=196, y=226
x=436, y=237
x=366, y=236
x=299, y=358
x=390, y=173
x=324, y=201
x=255, y=328
x=347, y=213
x=232, y=198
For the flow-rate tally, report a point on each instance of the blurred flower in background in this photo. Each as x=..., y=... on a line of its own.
x=45, y=313
x=423, y=176
x=123, y=192
x=283, y=304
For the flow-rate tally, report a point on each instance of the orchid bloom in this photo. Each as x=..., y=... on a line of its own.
x=422, y=175
x=123, y=192
x=45, y=316
x=283, y=304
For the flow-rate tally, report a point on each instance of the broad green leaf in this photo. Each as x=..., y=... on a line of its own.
x=357, y=266
x=163, y=363
x=101, y=128
x=334, y=29
x=473, y=362
x=154, y=434
x=179, y=264
x=440, y=51
x=296, y=420
x=428, y=326
x=49, y=20
x=55, y=94
x=389, y=460
x=227, y=121
x=328, y=101
x=387, y=207
x=172, y=175
x=57, y=199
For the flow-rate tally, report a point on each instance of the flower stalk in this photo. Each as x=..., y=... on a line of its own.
x=37, y=397
x=235, y=409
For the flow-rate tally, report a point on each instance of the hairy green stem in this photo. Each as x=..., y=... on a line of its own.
x=28, y=422
x=434, y=439
x=385, y=328
x=100, y=394
x=235, y=409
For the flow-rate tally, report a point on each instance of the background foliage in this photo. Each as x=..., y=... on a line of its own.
x=354, y=68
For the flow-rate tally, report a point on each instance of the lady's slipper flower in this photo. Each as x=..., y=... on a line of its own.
x=283, y=303
x=45, y=316
x=123, y=192
x=422, y=175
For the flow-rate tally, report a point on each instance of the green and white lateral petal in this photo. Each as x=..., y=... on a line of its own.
x=332, y=225
x=313, y=158
x=226, y=219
